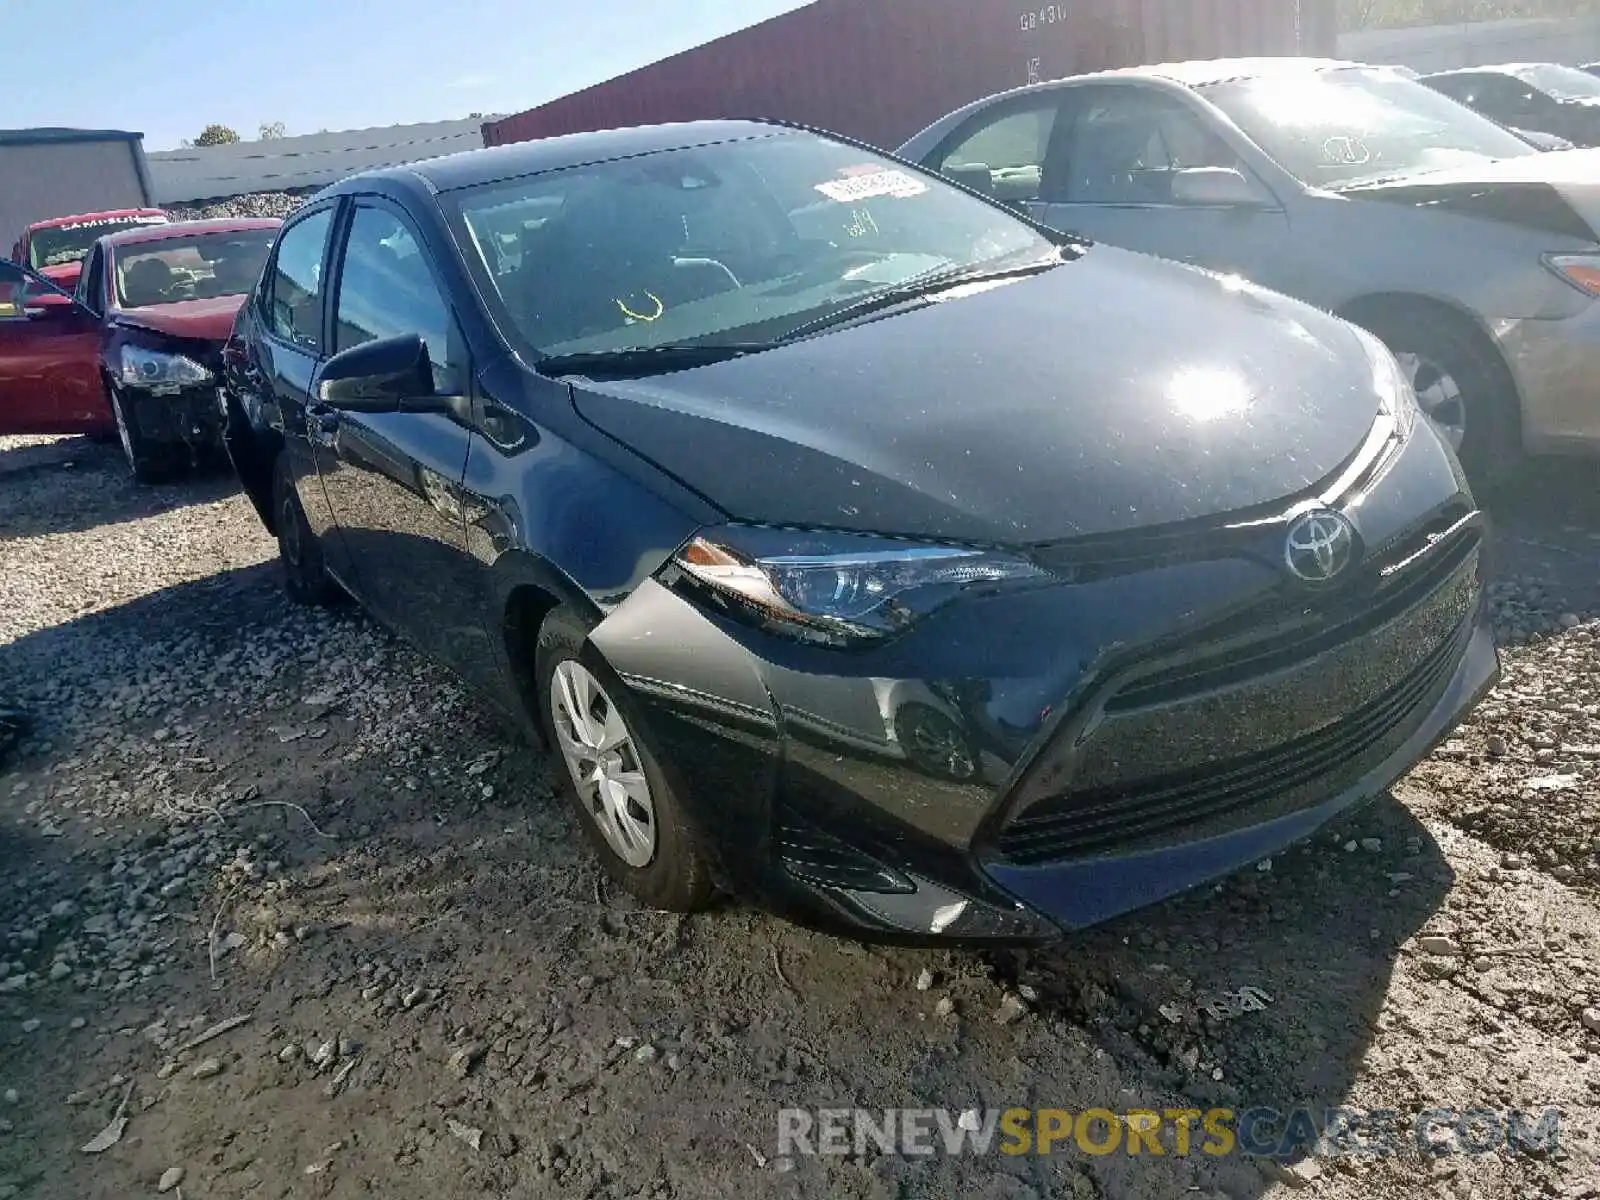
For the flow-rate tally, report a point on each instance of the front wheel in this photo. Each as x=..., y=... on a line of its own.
x=629, y=813
x=148, y=461
x=304, y=576
x=1464, y=391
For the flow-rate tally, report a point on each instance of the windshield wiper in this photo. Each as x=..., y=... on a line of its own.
x=915, y=288
x=639, y=360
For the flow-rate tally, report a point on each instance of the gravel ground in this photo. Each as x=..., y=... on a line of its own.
x=232, y=809
x=261, y=204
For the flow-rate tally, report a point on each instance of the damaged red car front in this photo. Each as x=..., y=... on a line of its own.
x=168, y=297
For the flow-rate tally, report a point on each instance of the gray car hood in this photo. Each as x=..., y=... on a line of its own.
x=1557, y=191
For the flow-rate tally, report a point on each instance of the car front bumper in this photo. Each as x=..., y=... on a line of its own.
x=1555, y=365
x=1020, y=765
x=186, y=417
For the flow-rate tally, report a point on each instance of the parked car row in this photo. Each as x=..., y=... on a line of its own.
x=970, y=543
x=859, y=544
x=1349, y=186
x=135, y=349
x=1559, y=101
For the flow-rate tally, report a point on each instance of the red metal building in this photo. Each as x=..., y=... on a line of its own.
x=880, y=70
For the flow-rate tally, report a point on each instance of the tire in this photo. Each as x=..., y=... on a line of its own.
x=148, y=461
x=645, y=842
x=305, y=577
x=1464, y=388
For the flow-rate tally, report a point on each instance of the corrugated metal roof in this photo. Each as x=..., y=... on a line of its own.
x=47, y=134
x=307, y=161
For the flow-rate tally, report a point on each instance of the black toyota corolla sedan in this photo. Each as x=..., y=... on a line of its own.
x=861, y=548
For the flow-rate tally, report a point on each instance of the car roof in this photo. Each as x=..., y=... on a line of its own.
x=1205, y=72
x=1510, y=68
x=109, y=214
x=471, y=167
x=179, y=229
x=1193, y=73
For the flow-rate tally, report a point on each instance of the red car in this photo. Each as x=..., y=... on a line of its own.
x=136, y=350
x=56, y=248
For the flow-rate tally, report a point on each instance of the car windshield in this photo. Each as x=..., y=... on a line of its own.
x=200, y=266
x=734, y=241
x=1353, y=125
x=58, y=245
x=1564, y=83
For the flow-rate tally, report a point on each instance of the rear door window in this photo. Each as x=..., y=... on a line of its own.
x=1124, y=145
x=1003, y=154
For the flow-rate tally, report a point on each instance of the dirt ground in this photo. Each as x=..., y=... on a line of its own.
x=230, y=808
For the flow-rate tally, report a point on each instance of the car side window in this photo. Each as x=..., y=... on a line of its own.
x=1502, y=96
x=294, y=291
x=90, y=291
x=1003, y=154
x=1125, y=145
x=386, y=288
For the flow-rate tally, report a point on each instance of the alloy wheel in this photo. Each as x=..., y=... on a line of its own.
x=603, y=759
x=1438, y=394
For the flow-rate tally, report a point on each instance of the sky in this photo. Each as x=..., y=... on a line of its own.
x=168, y=68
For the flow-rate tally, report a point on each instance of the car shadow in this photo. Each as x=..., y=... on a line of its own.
x=74, y=484
x=130, y=661
x=1316, y=936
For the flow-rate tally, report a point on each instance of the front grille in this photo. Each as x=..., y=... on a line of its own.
x=1378, y=595
x=1082, y=823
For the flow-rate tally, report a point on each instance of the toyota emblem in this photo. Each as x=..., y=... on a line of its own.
x=1320, y=545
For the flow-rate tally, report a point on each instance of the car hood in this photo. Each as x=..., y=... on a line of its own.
x=1113, y=392
x=204, y=320
x=1556, y=192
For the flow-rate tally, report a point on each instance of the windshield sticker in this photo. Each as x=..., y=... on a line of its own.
x=113, y=221
x=1343, y=150
x=872, y=182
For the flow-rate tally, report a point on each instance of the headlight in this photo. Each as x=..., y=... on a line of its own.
x=1582, y=271
x=837, y=589
x=1395, y=393
x=159, y=371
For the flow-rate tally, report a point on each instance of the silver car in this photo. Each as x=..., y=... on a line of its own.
x=1474, y=256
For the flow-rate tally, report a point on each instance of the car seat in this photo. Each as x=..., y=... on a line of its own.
x=601, y=249
x=235, y=272
x=147, y=281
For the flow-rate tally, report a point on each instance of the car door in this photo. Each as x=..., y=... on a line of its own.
x=394, y=480
x=49, y=359
x=1115, y=170
x=283, y=358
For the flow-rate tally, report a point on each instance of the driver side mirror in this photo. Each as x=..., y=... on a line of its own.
x=45, y=305
x=1218, y=187
x=393, y=374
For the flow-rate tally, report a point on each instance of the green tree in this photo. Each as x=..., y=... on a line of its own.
x=216, y=135
x=270, y=130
